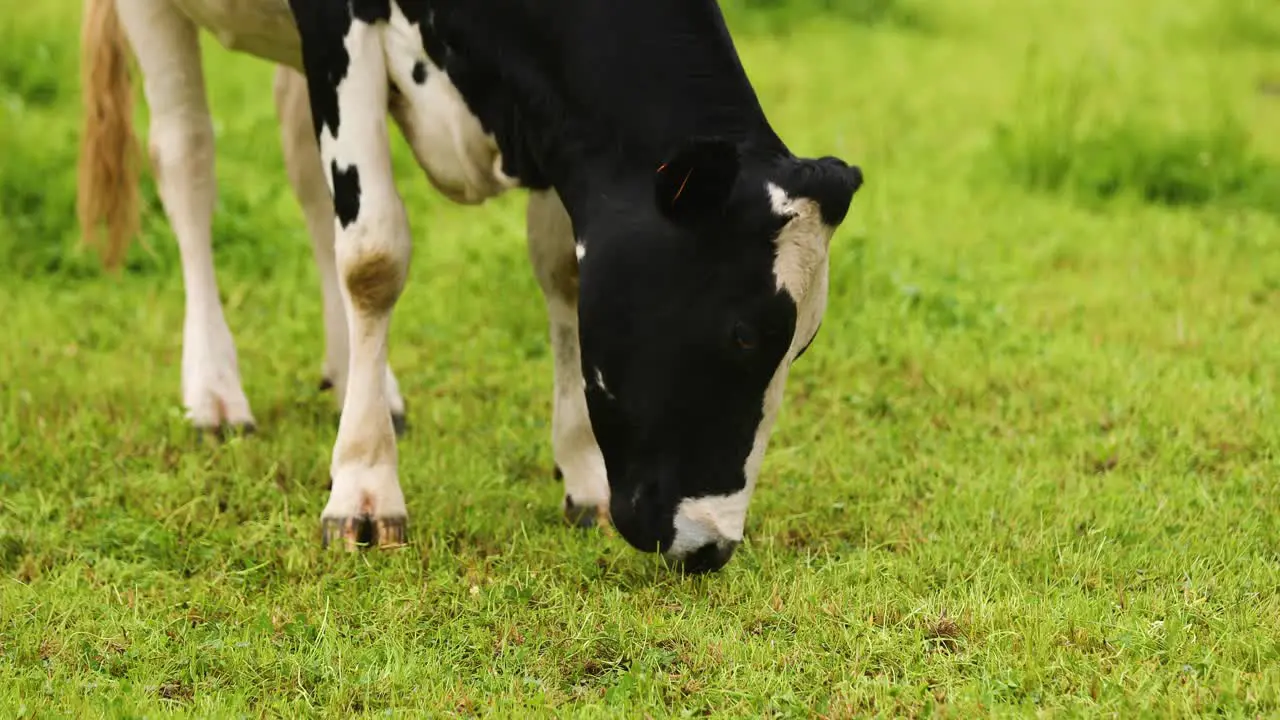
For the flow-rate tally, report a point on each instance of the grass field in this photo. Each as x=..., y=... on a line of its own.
x=1030, y=466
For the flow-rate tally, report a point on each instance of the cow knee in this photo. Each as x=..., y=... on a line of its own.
x=373, y=244
x=374, y=280
x=373, y=259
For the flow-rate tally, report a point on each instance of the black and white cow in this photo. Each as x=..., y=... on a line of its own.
x=681, y=248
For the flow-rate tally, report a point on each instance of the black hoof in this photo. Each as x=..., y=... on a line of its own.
x=226, y=431
x=580, y=516
x=363, y=532
x=559, y=473
x=325, y=384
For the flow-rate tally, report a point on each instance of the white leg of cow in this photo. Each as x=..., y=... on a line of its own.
x=182, y=153
x=372, y=251
x=578, y=458
x=307, y=177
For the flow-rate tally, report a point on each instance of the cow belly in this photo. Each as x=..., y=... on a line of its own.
x=263, y=28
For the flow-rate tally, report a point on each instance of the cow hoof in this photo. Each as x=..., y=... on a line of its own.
x=583, y=517
x=325, y=383
x=559, y=473
x=226, y=431
x=365, y=509
x=363, y=532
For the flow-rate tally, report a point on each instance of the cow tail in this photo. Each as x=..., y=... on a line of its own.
x=107, y=179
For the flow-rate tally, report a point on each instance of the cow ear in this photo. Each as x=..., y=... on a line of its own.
x=696, y=181
x=831, y=182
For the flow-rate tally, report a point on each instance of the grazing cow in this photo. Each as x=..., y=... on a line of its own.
x=680, y=246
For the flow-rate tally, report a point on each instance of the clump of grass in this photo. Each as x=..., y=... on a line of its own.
x=943, y=633
x=1251, y=23
x=32, y=70
x=1056, y=144
x=1175, y=168
x=780, y=16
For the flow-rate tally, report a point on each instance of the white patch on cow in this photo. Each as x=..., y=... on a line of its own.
x=717, y=519
x=600, y=384
x=460, y=159
x=800, y=269
x=580, y=249
x=801, y=245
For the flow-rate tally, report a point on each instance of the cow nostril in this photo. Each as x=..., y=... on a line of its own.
x=708, y=558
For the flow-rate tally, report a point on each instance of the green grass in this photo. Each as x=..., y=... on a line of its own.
x=1029, y=467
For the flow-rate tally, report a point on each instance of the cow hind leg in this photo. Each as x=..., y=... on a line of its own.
x=306, y=176
x=348, y=92
x=182, y=153
x=577, y=455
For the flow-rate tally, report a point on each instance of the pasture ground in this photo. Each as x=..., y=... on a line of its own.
x=1029, y=467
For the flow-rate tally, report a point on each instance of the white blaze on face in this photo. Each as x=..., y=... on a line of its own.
x=800, y=268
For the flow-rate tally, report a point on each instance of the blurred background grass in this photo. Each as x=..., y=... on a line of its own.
x=1097, y=120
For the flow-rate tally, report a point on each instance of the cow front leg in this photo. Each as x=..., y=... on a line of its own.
x=578, y=458
x=307, y=177
x=347, y=83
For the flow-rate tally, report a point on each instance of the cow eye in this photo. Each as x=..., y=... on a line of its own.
x=744, y=336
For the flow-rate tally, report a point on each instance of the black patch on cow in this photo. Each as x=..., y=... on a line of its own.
x=563, y=82
x=419, y=72
x=708, y=559
x=371, y=11
x=322, y=26
x=417, y=11
x=346, y=193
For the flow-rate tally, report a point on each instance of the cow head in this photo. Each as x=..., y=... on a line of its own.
x=694, y=303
